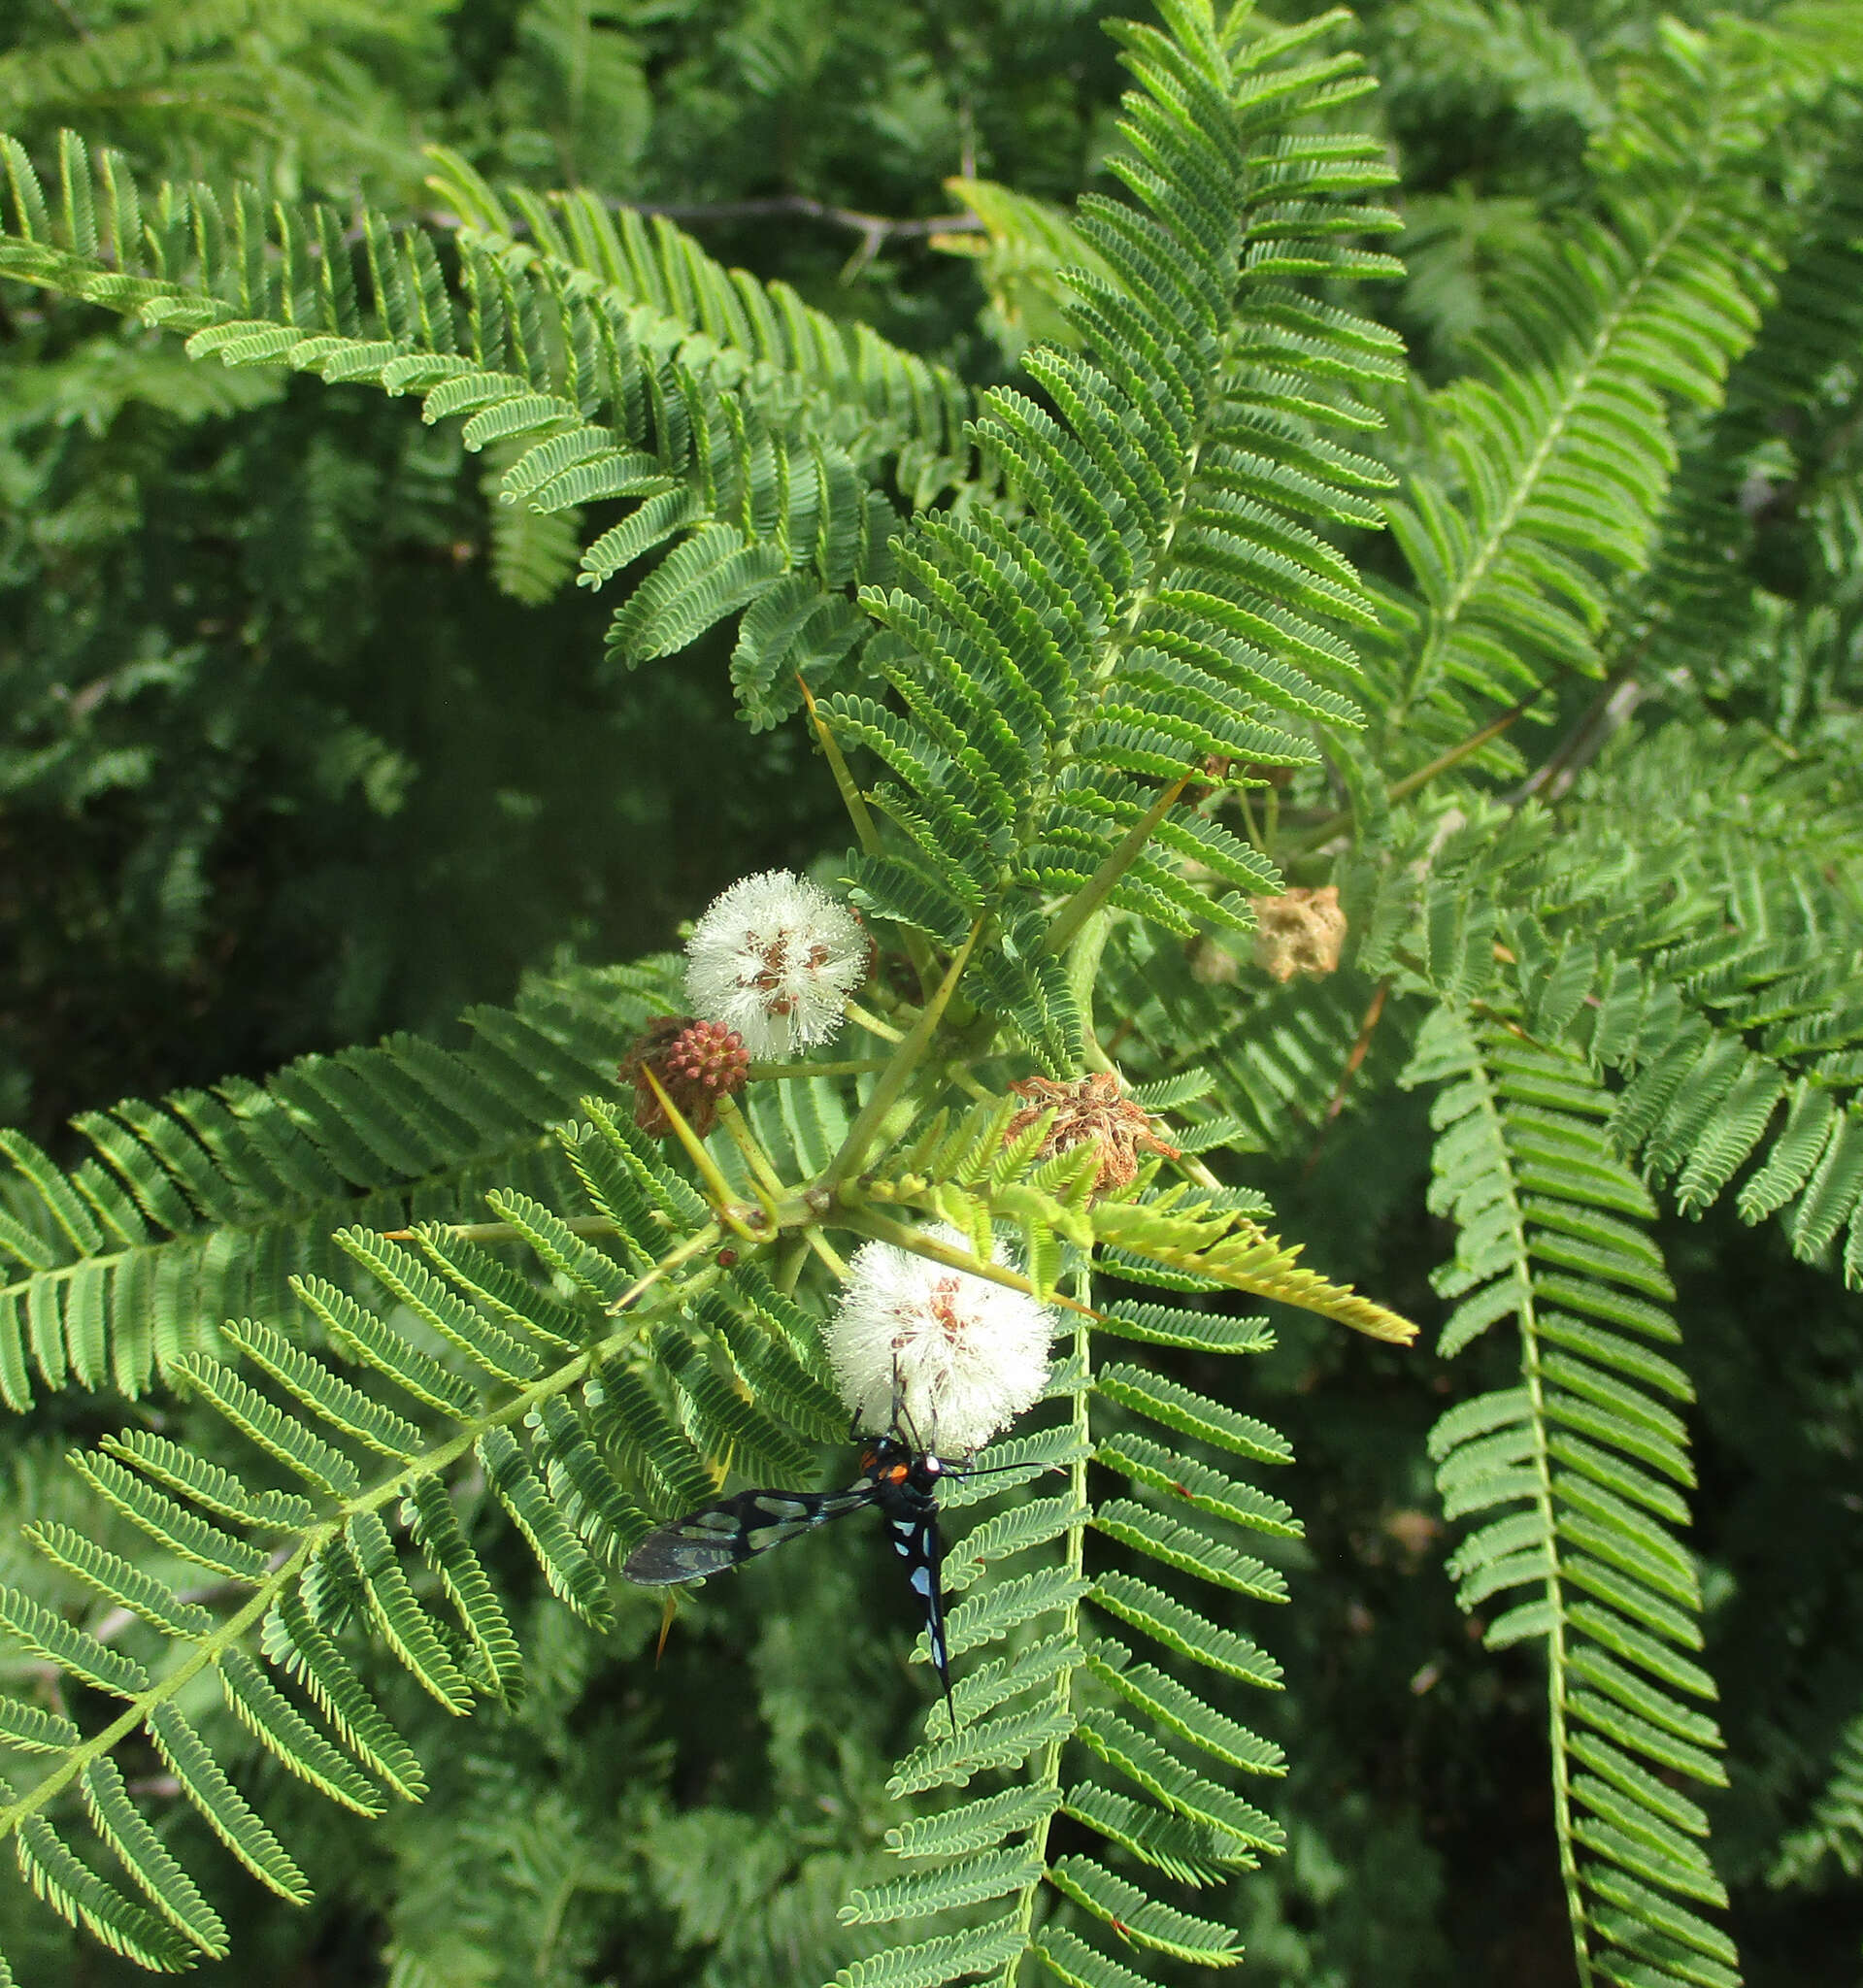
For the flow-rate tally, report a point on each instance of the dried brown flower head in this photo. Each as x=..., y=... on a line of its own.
x=1299, y=932
x=1094, y=1111
x=696, y=1064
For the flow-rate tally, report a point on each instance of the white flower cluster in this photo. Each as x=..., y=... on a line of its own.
x=776, y=958
x=952, y=1355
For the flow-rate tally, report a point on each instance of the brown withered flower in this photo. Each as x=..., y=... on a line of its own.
x=696, y=1064
x=1299, y=932
x=1091, y=1110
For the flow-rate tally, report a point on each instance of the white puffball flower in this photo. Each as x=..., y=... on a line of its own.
x=776, y=958
x=953, y=1356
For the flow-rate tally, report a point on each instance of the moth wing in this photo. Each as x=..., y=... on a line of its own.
x=736, y=1529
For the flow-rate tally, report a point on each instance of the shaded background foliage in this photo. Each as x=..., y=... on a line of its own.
x=307, y=741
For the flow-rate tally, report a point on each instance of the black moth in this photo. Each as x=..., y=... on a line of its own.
x=897, y=1478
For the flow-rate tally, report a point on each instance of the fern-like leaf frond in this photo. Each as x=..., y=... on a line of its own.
x=586, y=392
x=1576, y=1480
x=1168, y=599
x=576, y=1420
x=204, y=1206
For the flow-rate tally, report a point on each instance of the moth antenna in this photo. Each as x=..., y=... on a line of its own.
x=899, y=1418
x=997, y=1469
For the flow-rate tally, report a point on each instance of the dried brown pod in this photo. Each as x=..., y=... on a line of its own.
x=1091, y=1111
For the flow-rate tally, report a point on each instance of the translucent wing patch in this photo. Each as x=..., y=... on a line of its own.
x=734, y=1530
x=900, y=1480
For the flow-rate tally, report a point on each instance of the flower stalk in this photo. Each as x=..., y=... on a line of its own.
x=893, y=1080
x=1098, y=887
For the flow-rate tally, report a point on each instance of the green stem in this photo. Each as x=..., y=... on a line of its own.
x=210, y=1649
x=1557, y=1737
x=1193, y=1169
x=1541, y=1463
x=1092, y=893
x=892, y=1080
x=724, y=1204
x=958, y=1075
x=1083, y=965
x=829, y=1253
x=762, y=1170
x=1401, y=790
x=1098, y=887
x=1563, y=418
x=851, y=798
x=879, y=1227
x=509, y=1232
x=862, y=1018
x=1249, y=821
x=865, y=1221
x=853, y=1066
x=917, y=951
x=792, y=1252
x=692, y=1246
x=1046, y=1772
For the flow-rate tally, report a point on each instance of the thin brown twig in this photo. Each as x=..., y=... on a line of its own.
x=874, y=230
x=1472, y=744
x=1608, y=713
x=1464, y=748
x=877, y=227
x=1337, y=1101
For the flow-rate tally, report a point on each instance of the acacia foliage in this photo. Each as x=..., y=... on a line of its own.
x=1619, y=988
